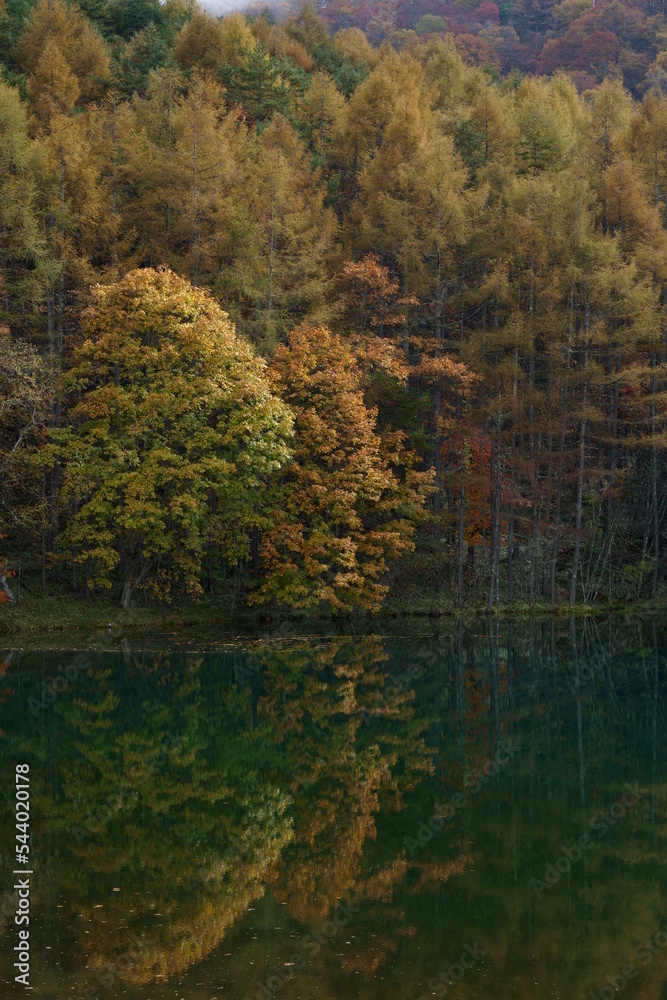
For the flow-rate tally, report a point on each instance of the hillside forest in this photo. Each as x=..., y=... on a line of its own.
x=310, y=307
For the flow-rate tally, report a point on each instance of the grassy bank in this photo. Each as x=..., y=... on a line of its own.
x=41, y=616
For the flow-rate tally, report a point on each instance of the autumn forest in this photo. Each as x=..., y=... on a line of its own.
x=346, y=307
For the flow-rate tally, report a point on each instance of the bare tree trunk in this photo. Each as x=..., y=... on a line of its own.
x=43, y=530
x=492, y=522
x=654, y=486
x=461, y=528
x=437, y=410
x=582, y=460
x=547, y=511
x=534, y=473
x=561, y=461
x=129, y=588
x=495, y=525
x=510, y=544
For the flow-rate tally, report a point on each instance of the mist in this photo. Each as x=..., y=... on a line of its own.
x=219, y=7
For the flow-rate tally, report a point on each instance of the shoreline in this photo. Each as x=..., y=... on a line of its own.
x=56, y=614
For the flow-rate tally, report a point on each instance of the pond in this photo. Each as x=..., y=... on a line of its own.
x=473, y=813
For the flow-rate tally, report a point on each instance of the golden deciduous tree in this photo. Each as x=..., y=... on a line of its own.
x=63, y=55
x=343, y=507
x=236, y=40
x=52, y=86
x=173, y=430
x=25, y=396
x=22, y=244
x=201, y=43
x=321, y=112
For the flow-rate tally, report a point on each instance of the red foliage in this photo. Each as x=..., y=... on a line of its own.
x=487, y=11
x=593, y=53
x=621, y=34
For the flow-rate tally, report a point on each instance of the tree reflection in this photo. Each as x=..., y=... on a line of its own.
x=180, y=796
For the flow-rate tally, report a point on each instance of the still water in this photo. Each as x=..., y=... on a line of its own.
x=476, y=813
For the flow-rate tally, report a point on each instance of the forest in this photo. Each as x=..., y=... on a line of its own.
x=343, y=307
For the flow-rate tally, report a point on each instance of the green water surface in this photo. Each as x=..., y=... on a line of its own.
x=474, y=813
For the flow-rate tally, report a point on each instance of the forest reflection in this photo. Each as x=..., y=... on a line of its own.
x=203, y=817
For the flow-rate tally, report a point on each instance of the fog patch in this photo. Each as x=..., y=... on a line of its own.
x=222, y=7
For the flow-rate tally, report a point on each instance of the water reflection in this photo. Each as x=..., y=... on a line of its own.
x=478, y=814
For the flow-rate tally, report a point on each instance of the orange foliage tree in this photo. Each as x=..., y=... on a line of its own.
x=349, y=500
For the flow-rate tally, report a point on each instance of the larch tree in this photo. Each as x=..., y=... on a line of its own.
x=25, y=396
x=647, y=143
x=22, y=243
x=295, y=232
x=60, y=50
x=321, y=112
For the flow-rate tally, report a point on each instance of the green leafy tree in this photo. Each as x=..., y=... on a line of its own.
x=172, y=436
x=430, y=23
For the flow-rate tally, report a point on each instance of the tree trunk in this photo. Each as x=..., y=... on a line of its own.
x=129, y=588
x=561, y=459
x=654, y=486
x=496, y=524
x=582, y=460
x=492, y=526
x=461, y=529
